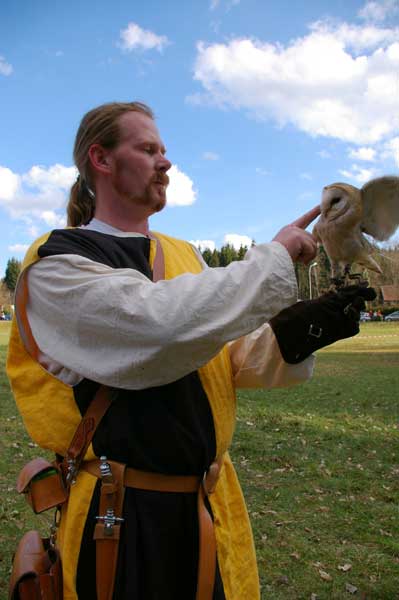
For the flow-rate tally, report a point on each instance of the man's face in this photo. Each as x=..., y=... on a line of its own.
x=138, y=163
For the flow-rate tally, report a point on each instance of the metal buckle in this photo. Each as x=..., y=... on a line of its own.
x=105, y=469
x=109, y=520
x=72, y=471
x=315, y=331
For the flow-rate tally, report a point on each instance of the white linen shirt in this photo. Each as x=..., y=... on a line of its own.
x=117, y=327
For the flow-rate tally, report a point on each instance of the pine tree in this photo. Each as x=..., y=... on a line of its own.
x=242, y=252
x=227, y=254
x=13, y=269
x=207, y=255
x=214, y=260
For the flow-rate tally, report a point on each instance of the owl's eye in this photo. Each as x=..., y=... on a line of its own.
x=335, y=200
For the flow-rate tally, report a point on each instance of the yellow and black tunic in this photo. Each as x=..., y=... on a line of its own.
x=178, y=428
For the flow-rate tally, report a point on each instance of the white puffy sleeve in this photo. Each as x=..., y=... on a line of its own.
x=257, y=362
x=117, y=327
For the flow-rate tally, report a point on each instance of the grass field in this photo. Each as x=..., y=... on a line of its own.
x=319, y=464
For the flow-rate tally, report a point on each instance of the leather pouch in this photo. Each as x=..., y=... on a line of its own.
x=43, y=485
x=37, y=572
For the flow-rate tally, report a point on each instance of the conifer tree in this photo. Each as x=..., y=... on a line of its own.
x=214, y=260
x=207, y=255
x=13, y=269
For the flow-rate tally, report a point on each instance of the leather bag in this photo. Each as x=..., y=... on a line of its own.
x=42, y=483
x=37, y=572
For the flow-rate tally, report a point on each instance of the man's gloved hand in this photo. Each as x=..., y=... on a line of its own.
x=309, y=325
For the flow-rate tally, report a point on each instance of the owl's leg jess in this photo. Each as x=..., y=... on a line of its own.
x=347, y=274
x=337, y=276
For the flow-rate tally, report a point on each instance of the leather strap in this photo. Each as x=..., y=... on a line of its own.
x=158, y=267
x=107, y=535
x=84, y=433
x=177, y=483
x=145, y=480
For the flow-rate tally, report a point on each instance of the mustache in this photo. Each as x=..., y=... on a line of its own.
x=161, y=178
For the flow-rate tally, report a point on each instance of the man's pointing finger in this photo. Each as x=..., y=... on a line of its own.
x=307, y=218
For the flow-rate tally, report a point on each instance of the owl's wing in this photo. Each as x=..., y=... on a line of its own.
x=380, y=199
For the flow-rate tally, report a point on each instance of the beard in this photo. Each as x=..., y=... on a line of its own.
x=152, y=197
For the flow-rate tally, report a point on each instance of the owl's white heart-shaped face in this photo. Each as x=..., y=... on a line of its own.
x=337, y=200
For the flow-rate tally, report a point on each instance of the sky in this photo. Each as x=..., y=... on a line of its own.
x=260, y=104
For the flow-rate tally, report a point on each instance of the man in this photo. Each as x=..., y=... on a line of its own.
x=170, y=351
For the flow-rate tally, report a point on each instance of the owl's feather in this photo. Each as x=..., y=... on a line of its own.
x=380, y=199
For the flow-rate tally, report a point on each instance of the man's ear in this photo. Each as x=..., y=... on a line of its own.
x=99, y=159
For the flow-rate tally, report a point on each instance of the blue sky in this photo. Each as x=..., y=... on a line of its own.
x=260, y=104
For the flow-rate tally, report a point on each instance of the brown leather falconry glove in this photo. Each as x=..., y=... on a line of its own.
x=309, y=325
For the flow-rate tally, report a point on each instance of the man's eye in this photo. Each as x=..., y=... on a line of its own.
x=149, y=149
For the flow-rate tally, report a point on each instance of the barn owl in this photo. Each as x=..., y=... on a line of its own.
x=347, y=212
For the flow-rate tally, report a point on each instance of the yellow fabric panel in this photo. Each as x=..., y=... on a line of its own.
x=217, y=381
x=235, y=546
x=180, y=257
x=236, y=551
x=46, y=404
x=216, y=376
x=71, y=530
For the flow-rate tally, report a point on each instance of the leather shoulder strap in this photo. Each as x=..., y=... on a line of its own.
x=85, y=432
x=158, y=269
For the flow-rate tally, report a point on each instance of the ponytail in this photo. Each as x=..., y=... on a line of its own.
x=81, y=205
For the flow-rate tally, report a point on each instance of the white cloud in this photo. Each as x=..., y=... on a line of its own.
x=364, y=153
x=356, y=37
x=379, y=11
x=18, y=248
x=228, y=4
x=261, y=171
x=236, y=240
x=33, y=231
x=52, y=219
x=324, y=154
x=202, y=244
x=134, y=38
x=306, y=176
x=390, y=151
x=5, y=67
x=180, y=191
x=319, y=82
x=210, y=156
x=359, y=174
x=36, y=196
x=9, y=184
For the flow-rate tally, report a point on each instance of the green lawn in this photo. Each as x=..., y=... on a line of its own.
x=319, y=467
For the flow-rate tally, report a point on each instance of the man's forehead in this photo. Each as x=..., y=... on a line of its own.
x=138, y=126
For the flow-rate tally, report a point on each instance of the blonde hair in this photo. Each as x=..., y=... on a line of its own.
x=98, y=126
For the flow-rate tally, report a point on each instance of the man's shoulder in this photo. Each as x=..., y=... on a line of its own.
x=172, y=240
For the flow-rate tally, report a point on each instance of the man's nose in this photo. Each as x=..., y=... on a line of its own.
x=164, y=164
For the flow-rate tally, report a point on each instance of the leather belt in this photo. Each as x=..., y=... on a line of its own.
x=107, y=545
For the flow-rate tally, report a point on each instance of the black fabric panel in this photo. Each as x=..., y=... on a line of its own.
x=158, y=557
x=167, y=429
x=110, y=250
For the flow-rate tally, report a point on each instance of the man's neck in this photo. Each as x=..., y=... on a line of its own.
x=123, y=223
